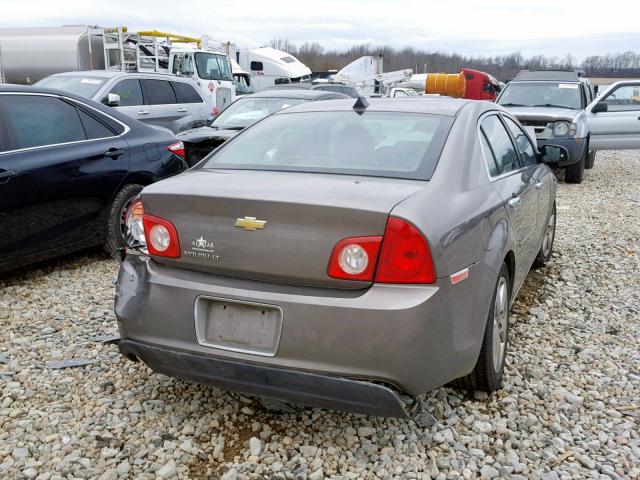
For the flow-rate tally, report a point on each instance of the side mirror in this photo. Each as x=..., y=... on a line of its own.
x=111, y=100
x=553, y=154
x=600, y=107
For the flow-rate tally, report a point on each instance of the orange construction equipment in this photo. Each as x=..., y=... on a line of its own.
x=449, y=84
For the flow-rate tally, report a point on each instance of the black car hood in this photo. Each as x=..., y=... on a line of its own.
x=203, y=134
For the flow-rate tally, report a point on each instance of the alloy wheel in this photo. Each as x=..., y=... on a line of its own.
x=500, y=323
x=547, y=242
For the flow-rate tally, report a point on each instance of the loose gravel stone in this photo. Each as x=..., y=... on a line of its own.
x=568, y=409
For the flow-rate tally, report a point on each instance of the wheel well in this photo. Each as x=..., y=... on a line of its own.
x=510, y=260
x=140, y=179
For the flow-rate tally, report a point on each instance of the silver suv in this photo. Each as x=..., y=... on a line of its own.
x=553, y=102
x=165, y=101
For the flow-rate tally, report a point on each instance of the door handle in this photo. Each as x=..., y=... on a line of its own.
x=182, y=110
x=114, y=153
x=514, y=202
x=6, y=175
x=539, y=184
x=144, y=112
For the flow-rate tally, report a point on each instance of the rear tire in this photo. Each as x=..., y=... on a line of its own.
x=591, y=160
x=546, y=249
x=575, y=173
x=116, y=228
x=487, y=374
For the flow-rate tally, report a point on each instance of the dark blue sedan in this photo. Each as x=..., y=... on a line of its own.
x=69, y=170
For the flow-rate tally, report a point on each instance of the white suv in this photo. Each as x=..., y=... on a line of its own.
x=165, y=101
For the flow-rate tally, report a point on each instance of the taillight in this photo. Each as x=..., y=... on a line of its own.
x=405, y=256
x=354, y=258
x=177, y=149
x=134, y=223
x=161, y=236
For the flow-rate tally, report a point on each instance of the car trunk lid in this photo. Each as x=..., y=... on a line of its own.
x=219, y=213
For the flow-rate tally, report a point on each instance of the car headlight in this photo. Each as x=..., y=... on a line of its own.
x=564, y=129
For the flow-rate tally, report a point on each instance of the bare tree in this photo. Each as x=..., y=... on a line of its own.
x=504, y=67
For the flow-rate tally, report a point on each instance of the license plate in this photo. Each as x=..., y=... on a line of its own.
x=238, y=326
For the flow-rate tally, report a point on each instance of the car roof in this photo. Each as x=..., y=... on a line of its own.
x=559, y=75
x=117, y=73
x=298, y=93
x=433, y=105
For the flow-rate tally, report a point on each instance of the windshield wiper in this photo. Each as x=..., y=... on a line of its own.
x=234, y=128
x=512, y=105
x=552, y=105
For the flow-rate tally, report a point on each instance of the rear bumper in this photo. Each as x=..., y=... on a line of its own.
x=577, y=148
x=412, y=338
x=333, y=393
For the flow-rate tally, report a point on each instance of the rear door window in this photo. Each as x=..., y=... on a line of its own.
x=489, y=158
x=523, y=144
x=129, y=91
x=36, y=120
x=185, y=93
x=500, y=143
x=158, y=92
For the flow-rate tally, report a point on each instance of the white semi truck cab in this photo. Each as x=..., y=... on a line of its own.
x=269, y=66
x=210, y=70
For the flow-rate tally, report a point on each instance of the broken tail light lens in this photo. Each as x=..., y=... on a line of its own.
x=134, y=225
x=177, y=149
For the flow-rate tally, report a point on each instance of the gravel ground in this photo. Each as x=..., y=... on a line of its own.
x=570, y=407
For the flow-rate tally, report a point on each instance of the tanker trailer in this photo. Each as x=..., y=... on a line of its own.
x=30, y=54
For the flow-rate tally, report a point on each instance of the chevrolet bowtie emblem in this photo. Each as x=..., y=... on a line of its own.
x=250, y=223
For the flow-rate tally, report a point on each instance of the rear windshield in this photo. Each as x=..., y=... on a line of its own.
x=381, y=144
x=84, y=86
x=248, y=110
x=542, y=94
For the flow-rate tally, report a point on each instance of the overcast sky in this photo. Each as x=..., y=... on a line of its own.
x=550, y=27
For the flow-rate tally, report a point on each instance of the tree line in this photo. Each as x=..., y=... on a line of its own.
x=503, y=67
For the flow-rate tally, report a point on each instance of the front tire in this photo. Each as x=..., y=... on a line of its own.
x=116, y=219
x=575, y=173
x=591, y=160
x=487, y=374
x=547, y=241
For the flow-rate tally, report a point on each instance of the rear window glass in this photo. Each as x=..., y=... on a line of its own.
x=84, y=86
x=382, y=144
x=248, y=110
x=185, y=93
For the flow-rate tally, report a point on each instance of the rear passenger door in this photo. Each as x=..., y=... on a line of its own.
x=539, y=176
x=513, y=183
x=166, y=112
x=62, y=163
x=191, y=103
